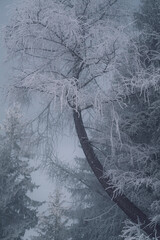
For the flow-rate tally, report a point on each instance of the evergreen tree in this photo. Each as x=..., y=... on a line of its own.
x=148, y=22
x=93, y=218
x=134, y=143
x=53, y=226
x=18, y=212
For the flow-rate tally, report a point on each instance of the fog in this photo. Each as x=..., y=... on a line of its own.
x=68, y=146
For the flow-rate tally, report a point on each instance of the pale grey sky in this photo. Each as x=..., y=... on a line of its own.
x=3, y=66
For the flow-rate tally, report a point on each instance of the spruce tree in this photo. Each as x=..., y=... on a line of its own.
x=93, y=218
x=18, y=212
x=52, y=224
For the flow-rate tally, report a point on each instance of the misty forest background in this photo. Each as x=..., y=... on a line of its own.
x=90, y=70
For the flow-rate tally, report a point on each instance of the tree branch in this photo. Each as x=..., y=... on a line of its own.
x=129, y=208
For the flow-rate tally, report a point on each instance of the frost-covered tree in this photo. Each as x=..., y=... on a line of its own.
x=18, y=212
x=135, y=135
x=53, y=223
x=90, y=212
x=69, y=52
x=148, y=22
x=93, y=214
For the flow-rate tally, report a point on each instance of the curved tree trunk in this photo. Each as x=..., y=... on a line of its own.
x=129, y=208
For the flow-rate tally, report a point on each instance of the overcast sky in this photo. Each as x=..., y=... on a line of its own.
x=3, y=67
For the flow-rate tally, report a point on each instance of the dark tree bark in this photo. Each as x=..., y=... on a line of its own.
x=129, y=208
